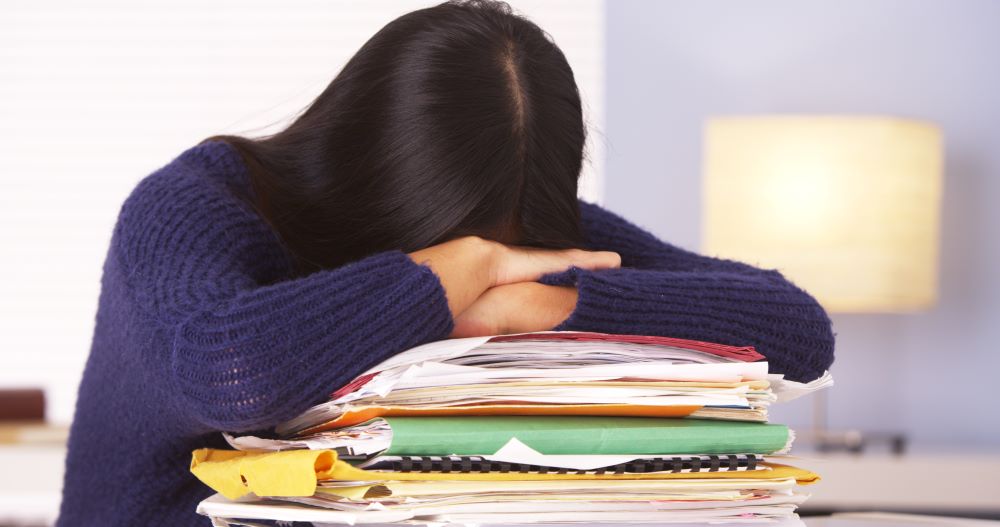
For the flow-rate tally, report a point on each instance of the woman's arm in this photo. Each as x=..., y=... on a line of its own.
x=664, y=290
x=470, y=266
x=251, y=347
x=640, y=249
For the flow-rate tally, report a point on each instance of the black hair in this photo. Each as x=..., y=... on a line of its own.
x=459, y=119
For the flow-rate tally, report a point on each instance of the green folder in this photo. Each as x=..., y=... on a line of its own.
x=582, y=435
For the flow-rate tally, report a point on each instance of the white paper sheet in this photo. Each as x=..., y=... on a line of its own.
x=434, y=374
x=786, y=390
x=774, y=514
x=219, y=507
x=514, y=451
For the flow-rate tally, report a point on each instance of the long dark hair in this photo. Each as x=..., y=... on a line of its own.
x=458, y=119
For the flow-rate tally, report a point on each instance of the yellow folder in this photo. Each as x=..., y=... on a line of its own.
x=235, y=473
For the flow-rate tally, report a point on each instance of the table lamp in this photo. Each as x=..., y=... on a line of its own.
x=846, y=207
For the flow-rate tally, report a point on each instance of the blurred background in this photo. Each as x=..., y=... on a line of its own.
x=94, y=97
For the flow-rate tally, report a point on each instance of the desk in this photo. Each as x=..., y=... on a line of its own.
x=877, y=519
x=30, y=497
x=850, y=483
x=953, y=484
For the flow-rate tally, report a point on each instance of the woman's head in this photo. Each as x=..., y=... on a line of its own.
x=458, y=119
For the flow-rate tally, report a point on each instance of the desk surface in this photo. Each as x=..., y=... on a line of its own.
x=877, y=519
x=849, y=483
x=953, y=484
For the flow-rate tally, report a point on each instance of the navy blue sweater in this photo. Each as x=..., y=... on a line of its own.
x=200, y=329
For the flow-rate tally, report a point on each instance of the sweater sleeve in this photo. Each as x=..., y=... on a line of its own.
x=250, y=349
x=665, y=290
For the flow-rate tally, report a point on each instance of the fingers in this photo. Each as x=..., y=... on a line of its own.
x=520, y=264
x=594, y=259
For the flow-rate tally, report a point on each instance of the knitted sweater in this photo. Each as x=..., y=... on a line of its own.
x=200, y=329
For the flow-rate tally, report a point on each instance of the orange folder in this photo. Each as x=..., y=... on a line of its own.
x=360, y=414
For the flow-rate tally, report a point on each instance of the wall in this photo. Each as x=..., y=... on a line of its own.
x=671, y=64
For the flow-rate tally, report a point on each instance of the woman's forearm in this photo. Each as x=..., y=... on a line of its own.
x=764, y=310
x=465, y=267
x=468, y=267
x=516, y=308
x=265, y=354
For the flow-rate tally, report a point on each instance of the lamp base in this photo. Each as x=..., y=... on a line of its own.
x=852, y=441
x=824, y=440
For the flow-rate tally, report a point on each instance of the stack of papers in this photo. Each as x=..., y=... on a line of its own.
x=550, y=427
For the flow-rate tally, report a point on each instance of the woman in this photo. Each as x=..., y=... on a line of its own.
x=428, y=192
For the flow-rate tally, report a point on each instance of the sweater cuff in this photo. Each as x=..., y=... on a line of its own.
x=575, y=277
x=586, y=301
x=567, y=277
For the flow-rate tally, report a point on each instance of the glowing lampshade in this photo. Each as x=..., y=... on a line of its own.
x=846, y=207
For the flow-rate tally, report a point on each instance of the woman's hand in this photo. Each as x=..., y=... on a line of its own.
x=469, y=266
x=515, y=264
x=516, y=308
